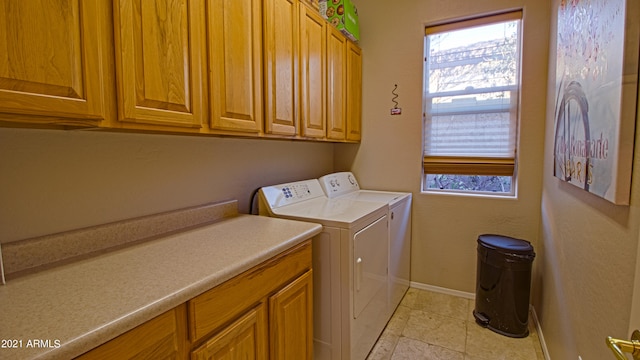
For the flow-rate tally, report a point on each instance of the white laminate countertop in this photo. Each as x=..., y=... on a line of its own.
x=73, y=308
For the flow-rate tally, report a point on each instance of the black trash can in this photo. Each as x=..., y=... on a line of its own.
x=503, y=284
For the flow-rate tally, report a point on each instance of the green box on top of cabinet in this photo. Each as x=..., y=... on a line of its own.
x=342, y=14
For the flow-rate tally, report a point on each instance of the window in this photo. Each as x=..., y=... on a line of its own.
x=471, y=96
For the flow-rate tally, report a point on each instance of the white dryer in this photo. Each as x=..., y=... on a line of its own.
x=344, y=185
x=349, y=265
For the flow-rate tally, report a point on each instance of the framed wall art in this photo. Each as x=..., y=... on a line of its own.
x=596, y=95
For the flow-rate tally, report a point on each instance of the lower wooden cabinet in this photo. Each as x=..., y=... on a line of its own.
x=264, y=313
x=245, y=338
x=291, y=320
x=232, y=313
x=163, y=337
x=286, y=333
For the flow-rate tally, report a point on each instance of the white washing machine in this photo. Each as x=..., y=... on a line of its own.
x=344, y=185
x=349, y=265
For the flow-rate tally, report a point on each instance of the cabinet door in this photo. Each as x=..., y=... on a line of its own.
x=291, y=320
x=158, y=62
x=245, y=338
x=163, y=337
x=336, y=84
x=354, y=92
x=234, y=35
x=313, y=4
x=312, y=73
x=52, y=59
x=281, y=66
x=238, y=294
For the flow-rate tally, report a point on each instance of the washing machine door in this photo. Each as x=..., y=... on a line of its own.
x=370, y=268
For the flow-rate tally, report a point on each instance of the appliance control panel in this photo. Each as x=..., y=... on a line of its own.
x=339, y=183
x=291, y=193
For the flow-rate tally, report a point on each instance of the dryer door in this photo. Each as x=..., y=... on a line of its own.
x=370, y=254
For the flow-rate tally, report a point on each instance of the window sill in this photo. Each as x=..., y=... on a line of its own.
x=475, y=194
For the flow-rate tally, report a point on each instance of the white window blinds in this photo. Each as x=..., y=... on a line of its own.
x=471, y=96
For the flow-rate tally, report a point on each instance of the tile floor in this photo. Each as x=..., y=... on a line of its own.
x=436, y=326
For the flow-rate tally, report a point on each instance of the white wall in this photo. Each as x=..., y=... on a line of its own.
x=590, y=250
x=53, y=180
x=445, y=227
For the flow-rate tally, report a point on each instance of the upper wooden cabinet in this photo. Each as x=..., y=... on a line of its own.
x=234, y=39
x=52, y=61
x=354, y=92
x=315, y=4
x=313, y=70
x=295, y=71
x=158, y=55
x=261, y=68
x=344, y=88
x=336, y=84
x=281, y=66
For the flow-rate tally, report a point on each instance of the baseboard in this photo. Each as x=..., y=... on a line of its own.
x=468, y=295
x=543, y=344
x=462, y=294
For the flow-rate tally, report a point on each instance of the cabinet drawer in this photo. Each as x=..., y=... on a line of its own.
x=224, y=303
x=162, y=337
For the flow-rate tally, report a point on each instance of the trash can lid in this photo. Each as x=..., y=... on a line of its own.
x=505, y=244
